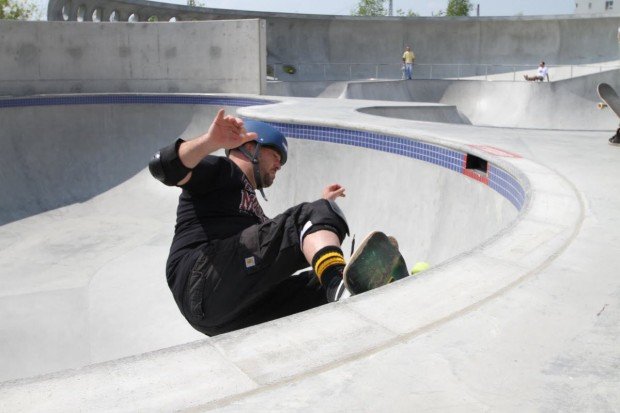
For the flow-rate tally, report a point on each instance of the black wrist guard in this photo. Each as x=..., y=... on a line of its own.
x=166, y=166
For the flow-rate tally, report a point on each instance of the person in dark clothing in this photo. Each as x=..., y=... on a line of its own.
x=229, y=265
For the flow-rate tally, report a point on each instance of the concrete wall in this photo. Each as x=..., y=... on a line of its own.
x=507, y=41
x=323, y=89
x=474, y=41
x=294, y=38
x=425, y=113
x=70, y=57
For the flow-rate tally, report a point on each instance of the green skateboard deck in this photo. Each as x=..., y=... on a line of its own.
x=376, y=262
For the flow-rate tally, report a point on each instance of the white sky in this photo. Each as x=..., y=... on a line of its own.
x=421, y=7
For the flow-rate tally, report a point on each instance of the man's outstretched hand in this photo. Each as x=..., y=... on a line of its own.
x=227, y=132
x=333, y=191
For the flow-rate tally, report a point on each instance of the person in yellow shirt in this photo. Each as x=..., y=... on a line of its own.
x=408, y=59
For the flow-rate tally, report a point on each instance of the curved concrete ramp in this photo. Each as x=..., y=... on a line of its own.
x=119, y=300
x=526, y=320
x=309, y=89
x=566, y=104
x=419, y=112
x=94, y=266
x=74, y=152
x=569, y=104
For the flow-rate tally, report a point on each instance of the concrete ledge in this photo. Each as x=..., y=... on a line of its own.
x=420, y=112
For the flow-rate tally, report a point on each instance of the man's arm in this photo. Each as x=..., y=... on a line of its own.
x=173, y=165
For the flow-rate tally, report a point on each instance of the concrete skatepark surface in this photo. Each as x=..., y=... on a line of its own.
x=537, y=291
x=103, y=238
x=520, y=310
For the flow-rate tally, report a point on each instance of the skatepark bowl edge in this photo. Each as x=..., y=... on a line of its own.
x=86, y=234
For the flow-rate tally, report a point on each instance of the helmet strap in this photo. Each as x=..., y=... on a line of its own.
x=255, y=167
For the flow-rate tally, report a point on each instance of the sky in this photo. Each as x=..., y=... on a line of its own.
x=421, y=7
x=344, y=7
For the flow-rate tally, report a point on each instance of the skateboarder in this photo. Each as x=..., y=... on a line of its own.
x=229, y=265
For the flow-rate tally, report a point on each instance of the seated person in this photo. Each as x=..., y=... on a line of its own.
x=543, y=73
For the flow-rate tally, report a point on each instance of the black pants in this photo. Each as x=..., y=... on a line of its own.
x=247, y=279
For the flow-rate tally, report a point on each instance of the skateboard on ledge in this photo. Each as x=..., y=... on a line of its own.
x=376, y=262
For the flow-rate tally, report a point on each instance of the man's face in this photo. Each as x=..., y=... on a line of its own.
x=270, y=163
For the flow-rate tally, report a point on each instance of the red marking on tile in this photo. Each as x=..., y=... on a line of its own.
x=477, y=176
x=496, y=151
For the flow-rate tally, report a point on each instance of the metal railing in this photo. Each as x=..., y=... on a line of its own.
x=385, y=71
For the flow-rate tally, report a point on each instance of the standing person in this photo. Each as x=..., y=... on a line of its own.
x=541, y=74
x=408, y=59
x=229, y=265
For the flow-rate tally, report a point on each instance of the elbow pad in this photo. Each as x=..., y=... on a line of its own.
x=165, y=166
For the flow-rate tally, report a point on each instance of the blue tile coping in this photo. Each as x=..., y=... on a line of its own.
x=495, y=177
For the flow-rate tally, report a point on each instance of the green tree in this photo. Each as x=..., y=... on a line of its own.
x=17, y=9
x=459, y=8
x=408, y=13
x=370, y=8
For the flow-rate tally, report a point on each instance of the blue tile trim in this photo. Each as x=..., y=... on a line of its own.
x=499, y=180
x=131, y=99
x=506, y=185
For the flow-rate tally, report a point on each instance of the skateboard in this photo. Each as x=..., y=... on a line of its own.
x=376, y=262
x=610, y=99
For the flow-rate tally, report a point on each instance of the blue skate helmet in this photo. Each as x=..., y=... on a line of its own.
x=268, y=136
